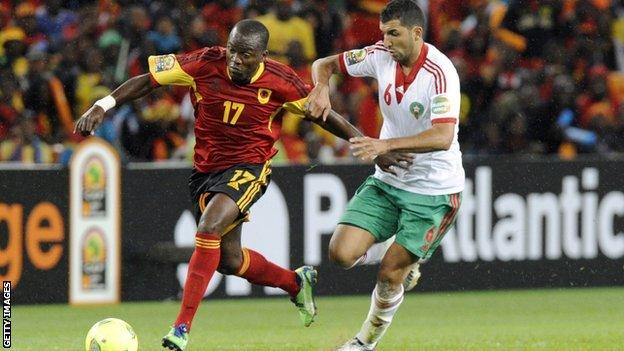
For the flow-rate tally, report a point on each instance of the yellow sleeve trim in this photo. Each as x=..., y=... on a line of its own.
x=296, y=107
x=166, y=70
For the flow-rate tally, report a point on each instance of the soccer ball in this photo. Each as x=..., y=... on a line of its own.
x=111, y=334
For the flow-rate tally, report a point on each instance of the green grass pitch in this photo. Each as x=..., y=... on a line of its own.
x=568, y=319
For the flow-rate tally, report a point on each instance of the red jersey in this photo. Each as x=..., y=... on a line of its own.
x=233, y=123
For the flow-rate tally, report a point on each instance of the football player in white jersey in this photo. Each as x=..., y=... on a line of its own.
x=419, y=99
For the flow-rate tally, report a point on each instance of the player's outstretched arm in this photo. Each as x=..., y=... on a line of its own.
x=340, y=127
x=437, y=138
x=337, y=125
x=318, y=101
x=131, y=89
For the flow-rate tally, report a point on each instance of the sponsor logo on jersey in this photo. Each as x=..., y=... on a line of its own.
x=164, y=62
x=355, y=56
x=440, y=105
x=417, y=109
x=264, y=95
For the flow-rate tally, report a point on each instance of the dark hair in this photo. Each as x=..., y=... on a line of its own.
x=250, y=28
x=406, y=11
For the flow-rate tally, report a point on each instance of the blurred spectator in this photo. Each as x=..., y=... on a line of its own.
x=110, y=45
x=220, y=16
x=11, y=103
x=538, y=77
x=45, y=96
x=285, y=27
x=362, y=23
x=596, y=103
x=12, y=33
x=536, y=21
x=25, y=19
x=56, y=23
x=88, y=80
x=200, y=35
x=165, y=38
x=292, y=147
x=297, y=61
x=326, y=26
x=135, y=24
x=14, y=48
x=149, y=129
x=23, y=144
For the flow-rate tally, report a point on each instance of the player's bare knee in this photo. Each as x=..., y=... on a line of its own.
x=229, y=265
x=341, y=256
x=212, y=227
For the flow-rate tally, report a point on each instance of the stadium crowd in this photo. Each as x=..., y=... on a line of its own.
x=537, y=77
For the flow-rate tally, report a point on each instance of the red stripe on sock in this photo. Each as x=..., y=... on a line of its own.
x=202, y=266
x=260, y=271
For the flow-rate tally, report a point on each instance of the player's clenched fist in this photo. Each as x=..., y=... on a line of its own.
x=89, y=121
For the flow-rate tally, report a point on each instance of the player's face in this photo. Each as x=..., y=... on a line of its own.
x=400, y=40
x=243, y=58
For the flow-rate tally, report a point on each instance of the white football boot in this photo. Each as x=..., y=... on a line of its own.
x=355, y=345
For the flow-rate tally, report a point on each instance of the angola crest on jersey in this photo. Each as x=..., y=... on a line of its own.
x=234, y=124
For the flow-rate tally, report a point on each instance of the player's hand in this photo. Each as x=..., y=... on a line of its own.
x=392, y=161
x=318, y=104
x=367, y=149
x=89, y=121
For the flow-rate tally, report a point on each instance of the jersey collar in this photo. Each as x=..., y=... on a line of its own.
x=402, y=82
x=258, y=73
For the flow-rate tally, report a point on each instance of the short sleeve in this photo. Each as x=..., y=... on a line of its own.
x=445, y=96
x=174, y=69
x=361, y=62
x=296, y=107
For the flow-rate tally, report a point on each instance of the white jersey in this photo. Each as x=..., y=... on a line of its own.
x=411, y=105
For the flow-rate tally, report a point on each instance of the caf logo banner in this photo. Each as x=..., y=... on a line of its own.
x=93, y=260
x=95, y=224
x=94, y=188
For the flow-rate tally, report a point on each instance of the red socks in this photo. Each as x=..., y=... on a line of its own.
x=202, y=266
x=204, y=262
x=257, y=270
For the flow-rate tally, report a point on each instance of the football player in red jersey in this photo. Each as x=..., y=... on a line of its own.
x=237, y=93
